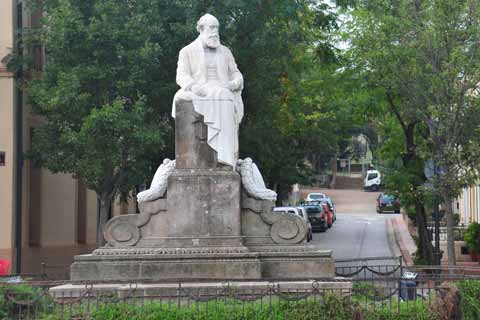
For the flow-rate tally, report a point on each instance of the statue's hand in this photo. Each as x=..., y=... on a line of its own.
x=199, y=90
x=234, y=85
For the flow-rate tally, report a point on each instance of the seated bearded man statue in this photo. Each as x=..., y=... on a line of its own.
x=209, y=77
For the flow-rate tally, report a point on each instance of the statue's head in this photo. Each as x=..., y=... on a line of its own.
x=207, y=26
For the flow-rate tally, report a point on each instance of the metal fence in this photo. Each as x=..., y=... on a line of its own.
x=458, y=233
x=391, y=298
x=369, y=268
x=369, y=288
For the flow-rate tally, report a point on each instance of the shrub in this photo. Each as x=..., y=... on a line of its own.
x=470, y=295
x=28, y=298
x=472, y=237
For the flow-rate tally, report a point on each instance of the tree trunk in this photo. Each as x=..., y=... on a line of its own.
x=425, y=247
x=105, y=203
x=333, y=182
x=276, y=188
x=450, y=224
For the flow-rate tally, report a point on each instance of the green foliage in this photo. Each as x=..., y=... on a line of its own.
x=470, y=293
x=472, y=237
x=34, y=297
x=120, y=56
x=97, y=94
x=419, y=59
x=328, y=305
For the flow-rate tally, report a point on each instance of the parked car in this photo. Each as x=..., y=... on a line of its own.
x=373, y=180
x=388, y=202
x=315, y=196
x=329, y=210
x=304, y=216
x=298, y=212
x=316, y=215
x=328, y=214
x=331, y=205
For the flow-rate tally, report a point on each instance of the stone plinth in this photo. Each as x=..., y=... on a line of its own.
x=203, y=206
x=186, y=289
x=204, y=227
x=109, y=265
x=182, y=264
x=191, y=148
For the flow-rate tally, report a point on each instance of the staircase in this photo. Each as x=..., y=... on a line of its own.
x=352, y=182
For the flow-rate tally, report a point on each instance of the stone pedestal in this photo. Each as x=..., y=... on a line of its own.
x=203, y=206
x=191, y=148
x=181, y=264
x=204, y=228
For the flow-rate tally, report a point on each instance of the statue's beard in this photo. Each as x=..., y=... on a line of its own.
x=212, y=41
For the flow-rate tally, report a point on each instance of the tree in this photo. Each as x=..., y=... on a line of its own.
x=450, y=51
x=96, y=95
x=383, y=51
x=105, y=94
x=423, y=56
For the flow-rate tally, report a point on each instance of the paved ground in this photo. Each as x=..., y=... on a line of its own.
x=351, y=201
x=359, y=232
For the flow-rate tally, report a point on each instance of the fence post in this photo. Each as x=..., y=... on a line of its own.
x=400, y=262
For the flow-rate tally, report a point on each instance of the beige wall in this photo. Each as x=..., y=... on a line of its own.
x=50, y=202
x=6, y=27
x=58, y=209
x=6, y=172
x=91, y=217
x=6, y=131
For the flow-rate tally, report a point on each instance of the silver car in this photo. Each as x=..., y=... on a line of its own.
x=298, y=211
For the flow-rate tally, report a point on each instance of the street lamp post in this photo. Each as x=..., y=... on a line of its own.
x=431, y=171
x=436, y=218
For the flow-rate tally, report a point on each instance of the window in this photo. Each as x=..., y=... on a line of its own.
x=313, y=211
x=372, y=176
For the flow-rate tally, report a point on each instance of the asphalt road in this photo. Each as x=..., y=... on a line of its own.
x=359, y=231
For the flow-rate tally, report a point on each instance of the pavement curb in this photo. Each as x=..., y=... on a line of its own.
x=392, y=241
x=404, y=252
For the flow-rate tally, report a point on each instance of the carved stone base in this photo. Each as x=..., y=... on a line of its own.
x=205, y=228
x=182, y=264
x=154, y=267
x=186, y=290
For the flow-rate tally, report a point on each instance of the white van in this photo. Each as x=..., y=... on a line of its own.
x=373, y=180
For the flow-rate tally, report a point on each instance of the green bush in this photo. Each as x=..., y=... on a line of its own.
x=33, y=297
x=470, y=293
x=328, y=306
x=472, y=237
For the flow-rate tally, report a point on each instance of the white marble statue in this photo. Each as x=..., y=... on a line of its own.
x=252, y=181
x=158, y=187
x=208, y=75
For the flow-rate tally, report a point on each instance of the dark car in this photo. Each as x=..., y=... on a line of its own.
x=388, y=202
x=317, y=217
x=330, y=208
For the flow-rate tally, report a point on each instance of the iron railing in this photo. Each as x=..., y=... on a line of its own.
x=389, y=298
x=367, y=288
x=369, y=268
x=458, y=233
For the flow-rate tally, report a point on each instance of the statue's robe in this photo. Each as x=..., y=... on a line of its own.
x=221, y=108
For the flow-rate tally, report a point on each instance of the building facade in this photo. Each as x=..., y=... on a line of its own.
x=468, y=205
x=44, y=217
